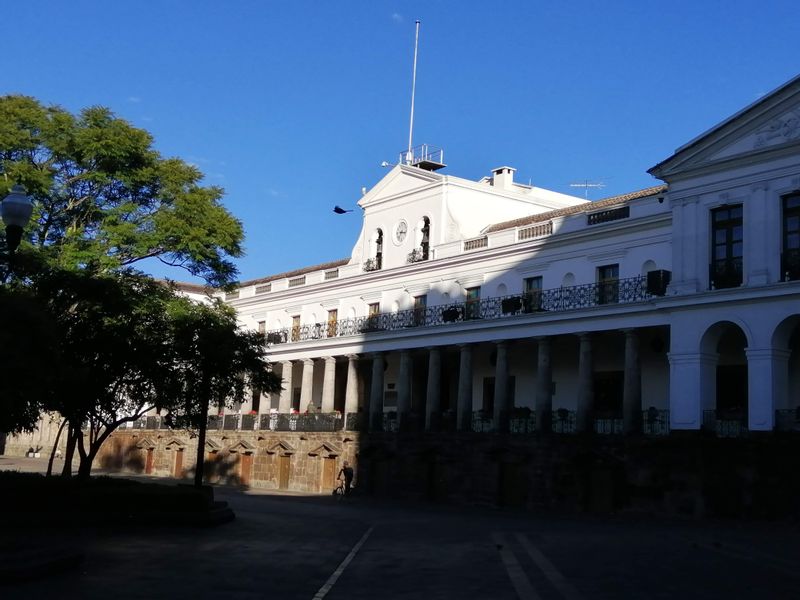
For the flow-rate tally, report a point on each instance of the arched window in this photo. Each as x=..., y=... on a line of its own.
x=426, y=235
x=379, y=248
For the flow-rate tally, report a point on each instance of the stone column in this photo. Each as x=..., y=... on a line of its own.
x=351, y=392
x=307, y=384
x=544, y=387
x=433, y=400
x=692, y=388
x=404, y=391
x=329, y=384
x=464, y=409
x=501, y=403
x=376, y=393
x=584, y=421
x=767, y=386
x=285, y=401
x=632, y=386
x=757, y=256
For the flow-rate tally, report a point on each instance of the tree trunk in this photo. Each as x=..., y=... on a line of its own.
x=55, y=447
x=201, y=445
x=69, y=452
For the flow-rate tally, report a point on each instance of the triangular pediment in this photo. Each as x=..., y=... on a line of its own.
x=325, y=449
x=281, y=447
x=762, y=130
x=401, y=180
x=175, y=444
x=213, y=445
x=242, y=447
x=145, y=444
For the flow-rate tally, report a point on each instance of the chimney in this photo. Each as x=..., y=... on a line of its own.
x=503, y=177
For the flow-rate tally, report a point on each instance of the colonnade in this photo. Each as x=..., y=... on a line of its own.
x=463, y=405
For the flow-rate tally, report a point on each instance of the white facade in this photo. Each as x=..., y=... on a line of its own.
x=590, y=338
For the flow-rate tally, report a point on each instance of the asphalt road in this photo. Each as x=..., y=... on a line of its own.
x=318, y=547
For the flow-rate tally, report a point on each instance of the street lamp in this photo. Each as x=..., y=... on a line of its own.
x=16, y=210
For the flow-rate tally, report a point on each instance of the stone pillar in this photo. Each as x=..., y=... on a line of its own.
x=464, y=409
x=285, y=401
x=757, y=255
x=329, y=384
x=501, y=396
x=351, y=392
x=307, y=384
x=767, y=386
x=433, y=399
x=632, y=386
x=585, y=416
x=376, y=393
x=404, y=390
x=544, y=387
x=692, y=388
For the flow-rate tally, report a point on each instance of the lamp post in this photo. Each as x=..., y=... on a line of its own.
x=16, y=210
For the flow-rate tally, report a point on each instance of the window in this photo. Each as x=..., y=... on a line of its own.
x=790, y=258
x=256, y=404
x=726, y=247
x=532, y=294
x=296, y=328
x=262, y=327
x=420, y=304
x=608, y=284
x=473, y=304
x=333, y=317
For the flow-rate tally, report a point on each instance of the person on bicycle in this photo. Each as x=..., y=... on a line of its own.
x=346, y=475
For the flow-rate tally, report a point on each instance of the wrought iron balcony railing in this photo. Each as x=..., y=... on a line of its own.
x=622, y=291
x=725, y=423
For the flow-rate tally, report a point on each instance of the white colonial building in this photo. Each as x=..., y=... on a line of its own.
x=493, y=305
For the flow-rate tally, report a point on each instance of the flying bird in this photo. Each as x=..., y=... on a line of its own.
x=339, y=210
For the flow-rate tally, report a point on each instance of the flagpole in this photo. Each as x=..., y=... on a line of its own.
x=413, y=91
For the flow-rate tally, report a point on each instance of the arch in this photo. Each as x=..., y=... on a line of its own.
x=395, y=307
x=784, y=331
x=502, y=290
x=726, y=376
x=649, y=265
x=785, y=343
x=568, y=280
x=351, y=313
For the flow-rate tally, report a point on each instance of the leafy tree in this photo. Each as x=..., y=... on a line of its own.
x=106, y=199
x=215, y=363
x=113, y=343
x=28, y=361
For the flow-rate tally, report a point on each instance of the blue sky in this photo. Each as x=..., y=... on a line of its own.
x=292, y=106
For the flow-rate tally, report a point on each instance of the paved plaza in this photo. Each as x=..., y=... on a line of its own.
x=315, y=547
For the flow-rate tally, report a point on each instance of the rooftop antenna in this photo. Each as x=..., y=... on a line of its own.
x=413, y=91
x=586, y=184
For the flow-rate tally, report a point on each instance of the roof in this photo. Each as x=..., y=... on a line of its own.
x=722, y=124
x=577, y=209
x=197, y=288
x=321, y=267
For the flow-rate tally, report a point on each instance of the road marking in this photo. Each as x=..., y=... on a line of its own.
x=549, y=569
x=340, y=569
x=519, y=580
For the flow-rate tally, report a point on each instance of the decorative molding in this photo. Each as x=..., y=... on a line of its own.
x=539, y=267
x=282, y=447
x=328, y=304
x=760, y=186
x=325, y=448
x=370, y=297
x=146, y=444
x=470, y=280
x=604, y=256
x=417, y=289
x=242, y=447
x=778, y=130
x=294, y=310
x=259, y=316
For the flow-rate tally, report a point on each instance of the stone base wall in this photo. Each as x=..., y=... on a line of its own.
x=690, y=475
x=40, y=440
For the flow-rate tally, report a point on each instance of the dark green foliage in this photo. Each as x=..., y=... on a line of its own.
x=105, y=199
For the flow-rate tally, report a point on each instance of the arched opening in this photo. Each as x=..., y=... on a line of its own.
x=379, y=248
x=426, y=236
x=786, y=374
x=649, y=265
x=725, y=388
x=568, y=280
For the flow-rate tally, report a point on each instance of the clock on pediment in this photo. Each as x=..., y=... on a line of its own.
x=400, y=231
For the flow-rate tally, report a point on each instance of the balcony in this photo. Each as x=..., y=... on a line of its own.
x=725, y=423
x=725, y=273
x=622, y=291
x=373, y=264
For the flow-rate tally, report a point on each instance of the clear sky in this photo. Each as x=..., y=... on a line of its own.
x=292, y=106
